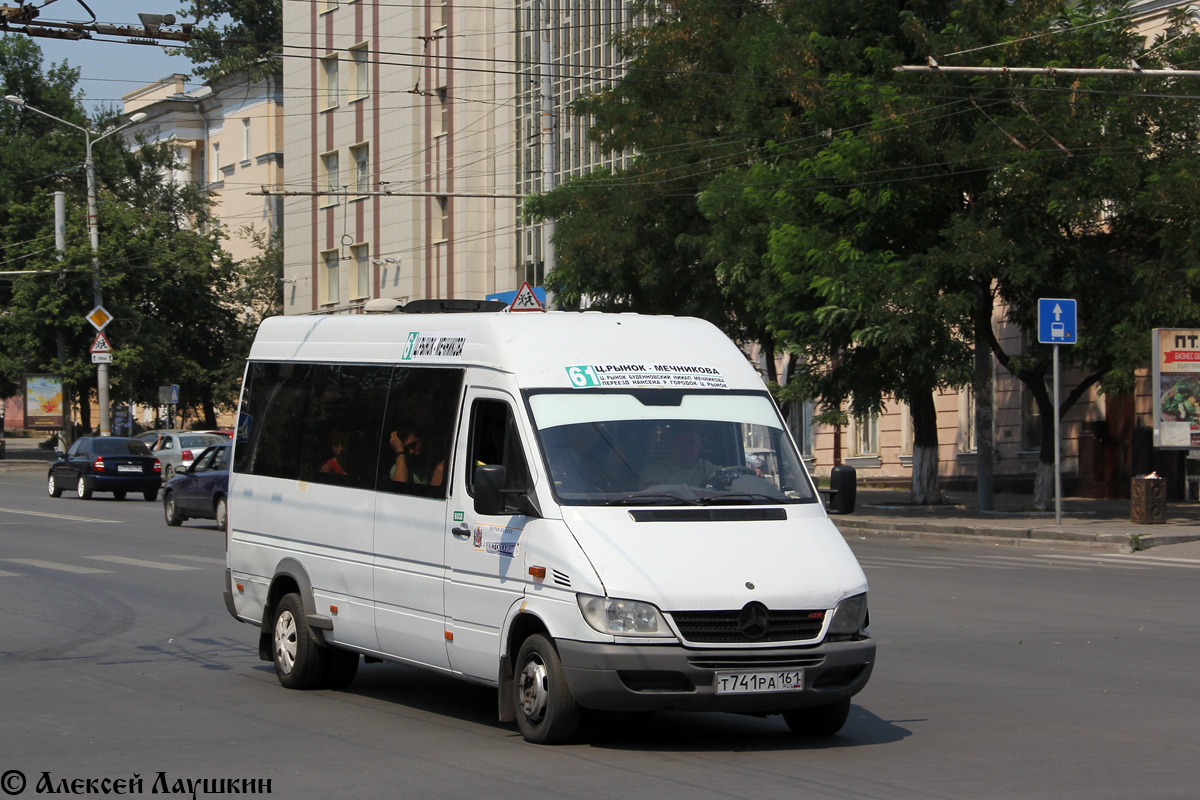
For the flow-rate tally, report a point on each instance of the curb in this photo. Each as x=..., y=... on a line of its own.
x=1119, y=541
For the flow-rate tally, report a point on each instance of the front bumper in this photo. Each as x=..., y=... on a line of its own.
x=614, y=677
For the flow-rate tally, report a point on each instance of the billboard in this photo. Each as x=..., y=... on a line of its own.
x=1177, y=388
x=43, y=402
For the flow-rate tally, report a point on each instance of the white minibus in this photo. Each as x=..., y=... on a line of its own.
x=584, y=510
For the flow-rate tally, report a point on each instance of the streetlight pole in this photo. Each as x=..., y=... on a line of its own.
x=93, y=233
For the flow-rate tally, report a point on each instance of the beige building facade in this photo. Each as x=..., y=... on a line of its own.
x=228, y=137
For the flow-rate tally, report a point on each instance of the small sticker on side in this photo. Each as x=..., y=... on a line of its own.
x=496, y=540
x=441, y=346
x=691, y=376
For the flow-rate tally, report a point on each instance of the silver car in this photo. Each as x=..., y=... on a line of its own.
x=178, y=450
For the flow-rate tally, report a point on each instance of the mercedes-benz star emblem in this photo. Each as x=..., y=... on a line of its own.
x=753, y=621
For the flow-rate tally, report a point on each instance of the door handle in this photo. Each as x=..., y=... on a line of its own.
x=460, y=532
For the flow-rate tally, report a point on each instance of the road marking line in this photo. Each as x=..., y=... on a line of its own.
x=1145, y=562
x=4, y=574
x=137, y=562
x=204, y=559
x=897, y=562
x=35, y=562
x=967, y=562
x=56, y=516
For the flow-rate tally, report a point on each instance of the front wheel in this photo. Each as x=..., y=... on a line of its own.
x=52, y=487
x=170, y=473
x=818, y=720
x=81, y=488
x=222, y=512
x=546, y=711
x=171, y=511
x=299, y=661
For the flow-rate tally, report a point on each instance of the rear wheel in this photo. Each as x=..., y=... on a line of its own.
x=119, y=494
x=299, y=661
x=171, y=511
x=818, y=720
x=170, y=473
x=151, y=495
x=52, y=487
x=81, y=488
x=546, y=711
x=222, y=511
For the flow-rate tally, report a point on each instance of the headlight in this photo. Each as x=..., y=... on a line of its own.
x=850, y=616
x=623, y=617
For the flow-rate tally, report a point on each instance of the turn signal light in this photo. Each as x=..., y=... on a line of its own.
x=538, y=573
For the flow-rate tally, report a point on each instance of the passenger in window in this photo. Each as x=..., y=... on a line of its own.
x=683, y=464
x=414, y=462
x=338, y=464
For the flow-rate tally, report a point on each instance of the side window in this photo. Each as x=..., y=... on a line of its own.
x=417, y=440
x=495, y=439
x=79, y=448
x=313, y=422
x=221, y=458
x=167, y=443
x=203, y=463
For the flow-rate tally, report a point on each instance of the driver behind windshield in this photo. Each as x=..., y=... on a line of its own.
x=683, y=464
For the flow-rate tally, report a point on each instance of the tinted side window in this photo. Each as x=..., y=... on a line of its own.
x=495, y=439
x=418, y=434
x=313, y=422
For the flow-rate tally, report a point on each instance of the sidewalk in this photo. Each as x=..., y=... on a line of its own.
x=1090, y=524
x=25, y=454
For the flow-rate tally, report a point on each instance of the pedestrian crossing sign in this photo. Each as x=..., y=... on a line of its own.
x=526, y=300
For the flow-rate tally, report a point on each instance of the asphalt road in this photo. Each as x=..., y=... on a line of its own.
x=1002, y=673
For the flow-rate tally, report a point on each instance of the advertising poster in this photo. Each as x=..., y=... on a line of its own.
x=1177, y=388
x=43, y=402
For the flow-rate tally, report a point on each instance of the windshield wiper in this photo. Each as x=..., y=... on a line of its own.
x=653, y=498
x=740, y=498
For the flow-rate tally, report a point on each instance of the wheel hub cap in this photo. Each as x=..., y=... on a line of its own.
x=285, y=641
x=533, y=689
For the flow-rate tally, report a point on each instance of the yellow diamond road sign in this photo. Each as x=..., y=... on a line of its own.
x=99, y=317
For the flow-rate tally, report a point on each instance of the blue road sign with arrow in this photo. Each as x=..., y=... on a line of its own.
x=1056, y=321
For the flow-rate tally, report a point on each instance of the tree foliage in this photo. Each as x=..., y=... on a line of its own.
x=855, y=215
x=234, y=35
x=173, y=291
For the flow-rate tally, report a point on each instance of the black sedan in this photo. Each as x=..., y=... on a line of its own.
x=200, y=490
x=106, y=464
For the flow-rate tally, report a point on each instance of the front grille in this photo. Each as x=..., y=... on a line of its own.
x=722, y=627
x=756, y=661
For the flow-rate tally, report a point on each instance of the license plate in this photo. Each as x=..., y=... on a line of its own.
x=791, y=680
x=128, y=468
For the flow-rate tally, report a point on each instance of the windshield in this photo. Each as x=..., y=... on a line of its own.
x=667, y=447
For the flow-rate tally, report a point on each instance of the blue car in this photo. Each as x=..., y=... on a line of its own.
x=200, y=490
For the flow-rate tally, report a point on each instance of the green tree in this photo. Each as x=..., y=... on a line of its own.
x=234, y=35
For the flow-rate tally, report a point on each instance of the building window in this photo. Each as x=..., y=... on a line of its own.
x=362, y=271
x=441, y=223
x=331, y=279
x=217, y=177
x=361, y=74
x=246, y=149
x=330, y=179
x=362, y=168
x=441, y=115
x=325, y=6
x=443, y=18
x=329, y=82
x=866, y=435
x=967, y=440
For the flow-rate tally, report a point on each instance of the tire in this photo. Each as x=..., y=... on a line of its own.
x=546, y=711
x=81, y=488
x=171, y=511
x=151, y=495
x=169, y=473
x=52, y=487
x=299, y=661
x=340, y=668
x=119, y=495
x=222, y=512
x=818, y=720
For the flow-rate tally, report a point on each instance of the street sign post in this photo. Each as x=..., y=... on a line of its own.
x=1057, y=326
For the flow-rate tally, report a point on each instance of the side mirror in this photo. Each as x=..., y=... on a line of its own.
x=843, y=489
x=59, y=454
x=489, y=482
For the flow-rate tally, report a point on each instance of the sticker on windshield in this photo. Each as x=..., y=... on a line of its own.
x=496, y=540
x=442, y=346
x=691, y=376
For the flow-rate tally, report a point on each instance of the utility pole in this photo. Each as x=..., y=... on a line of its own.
x=60, y=244
x=93, y=234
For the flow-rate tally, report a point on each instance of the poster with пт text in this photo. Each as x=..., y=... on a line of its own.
x=1177, y=388
x=43, y=402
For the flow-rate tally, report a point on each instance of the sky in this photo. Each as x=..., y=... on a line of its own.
x=110, y=69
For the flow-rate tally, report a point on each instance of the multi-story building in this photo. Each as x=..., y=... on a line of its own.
x=229, y=138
